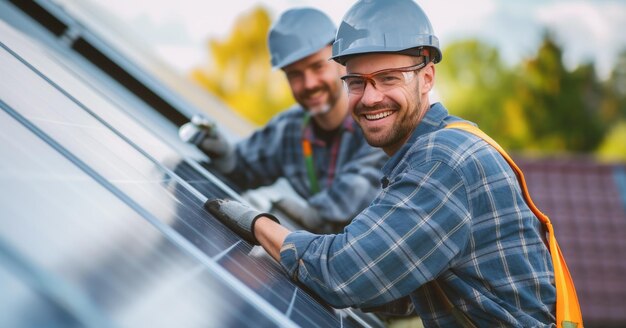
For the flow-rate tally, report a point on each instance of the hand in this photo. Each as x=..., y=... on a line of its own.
x=238, y=217
x=203, y=133
x=198, y=129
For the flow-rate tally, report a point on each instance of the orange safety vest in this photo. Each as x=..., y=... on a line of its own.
x=568, y=313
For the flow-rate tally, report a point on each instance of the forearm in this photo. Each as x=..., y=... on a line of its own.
x=270, y=235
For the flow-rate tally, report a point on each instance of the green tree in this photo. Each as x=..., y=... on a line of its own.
x=613, y=113
x=239, y=70
x=536, y=106
x=474, y=83
x=561, y=107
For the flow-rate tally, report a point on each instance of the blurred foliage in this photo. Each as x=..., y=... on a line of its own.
x=613, y=113
x=612, y=149
x=240, y=73
x=536, y=107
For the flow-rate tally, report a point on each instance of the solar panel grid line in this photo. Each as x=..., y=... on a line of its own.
x=358, y=319
x=225, y=252
x=301, y=298
x=134, y=105
x=199, y=169
x=214, y=180
x=192, y=163
x=291, y=303
x=107, y=125
x=224, y=275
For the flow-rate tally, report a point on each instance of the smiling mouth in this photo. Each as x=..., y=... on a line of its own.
x=378, y=116
x=314, y=94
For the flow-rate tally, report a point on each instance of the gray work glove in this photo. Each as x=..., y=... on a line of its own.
x=237, y=216
x=300, y=211
x=203, y=133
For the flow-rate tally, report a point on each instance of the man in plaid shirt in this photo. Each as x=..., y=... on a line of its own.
x=450, y=228
x=315, y=145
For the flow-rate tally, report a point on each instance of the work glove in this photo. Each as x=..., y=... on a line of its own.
x=301, y=212
x=237, y=216
x=204, y=134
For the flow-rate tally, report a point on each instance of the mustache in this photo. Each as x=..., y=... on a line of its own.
x=360, y=109
x=308, y=92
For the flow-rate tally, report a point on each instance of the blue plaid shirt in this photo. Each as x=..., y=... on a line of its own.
x=275, y=151
x=451, y=208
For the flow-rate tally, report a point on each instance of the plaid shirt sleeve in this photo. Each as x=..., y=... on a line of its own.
x=409, y=235
x=269, y=153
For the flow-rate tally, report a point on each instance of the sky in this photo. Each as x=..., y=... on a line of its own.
x=587, y=30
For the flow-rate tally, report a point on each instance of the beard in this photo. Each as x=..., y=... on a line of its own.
x=393, y=136
x=319, y=110
x=333, y=93
x=399, y=132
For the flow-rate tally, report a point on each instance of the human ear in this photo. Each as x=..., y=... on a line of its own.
x=428, y=77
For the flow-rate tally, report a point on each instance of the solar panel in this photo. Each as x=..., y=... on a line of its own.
x=102, y=219
x=79, y=255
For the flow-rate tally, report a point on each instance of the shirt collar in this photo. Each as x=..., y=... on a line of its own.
x=432, y=121
x=348, y=125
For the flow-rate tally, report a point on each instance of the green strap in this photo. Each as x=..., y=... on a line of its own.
x=307, y=150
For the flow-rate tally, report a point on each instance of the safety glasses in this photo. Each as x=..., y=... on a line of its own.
x=383, y=80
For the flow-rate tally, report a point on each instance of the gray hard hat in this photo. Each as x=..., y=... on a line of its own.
x=398, y=26
x=298, y=33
